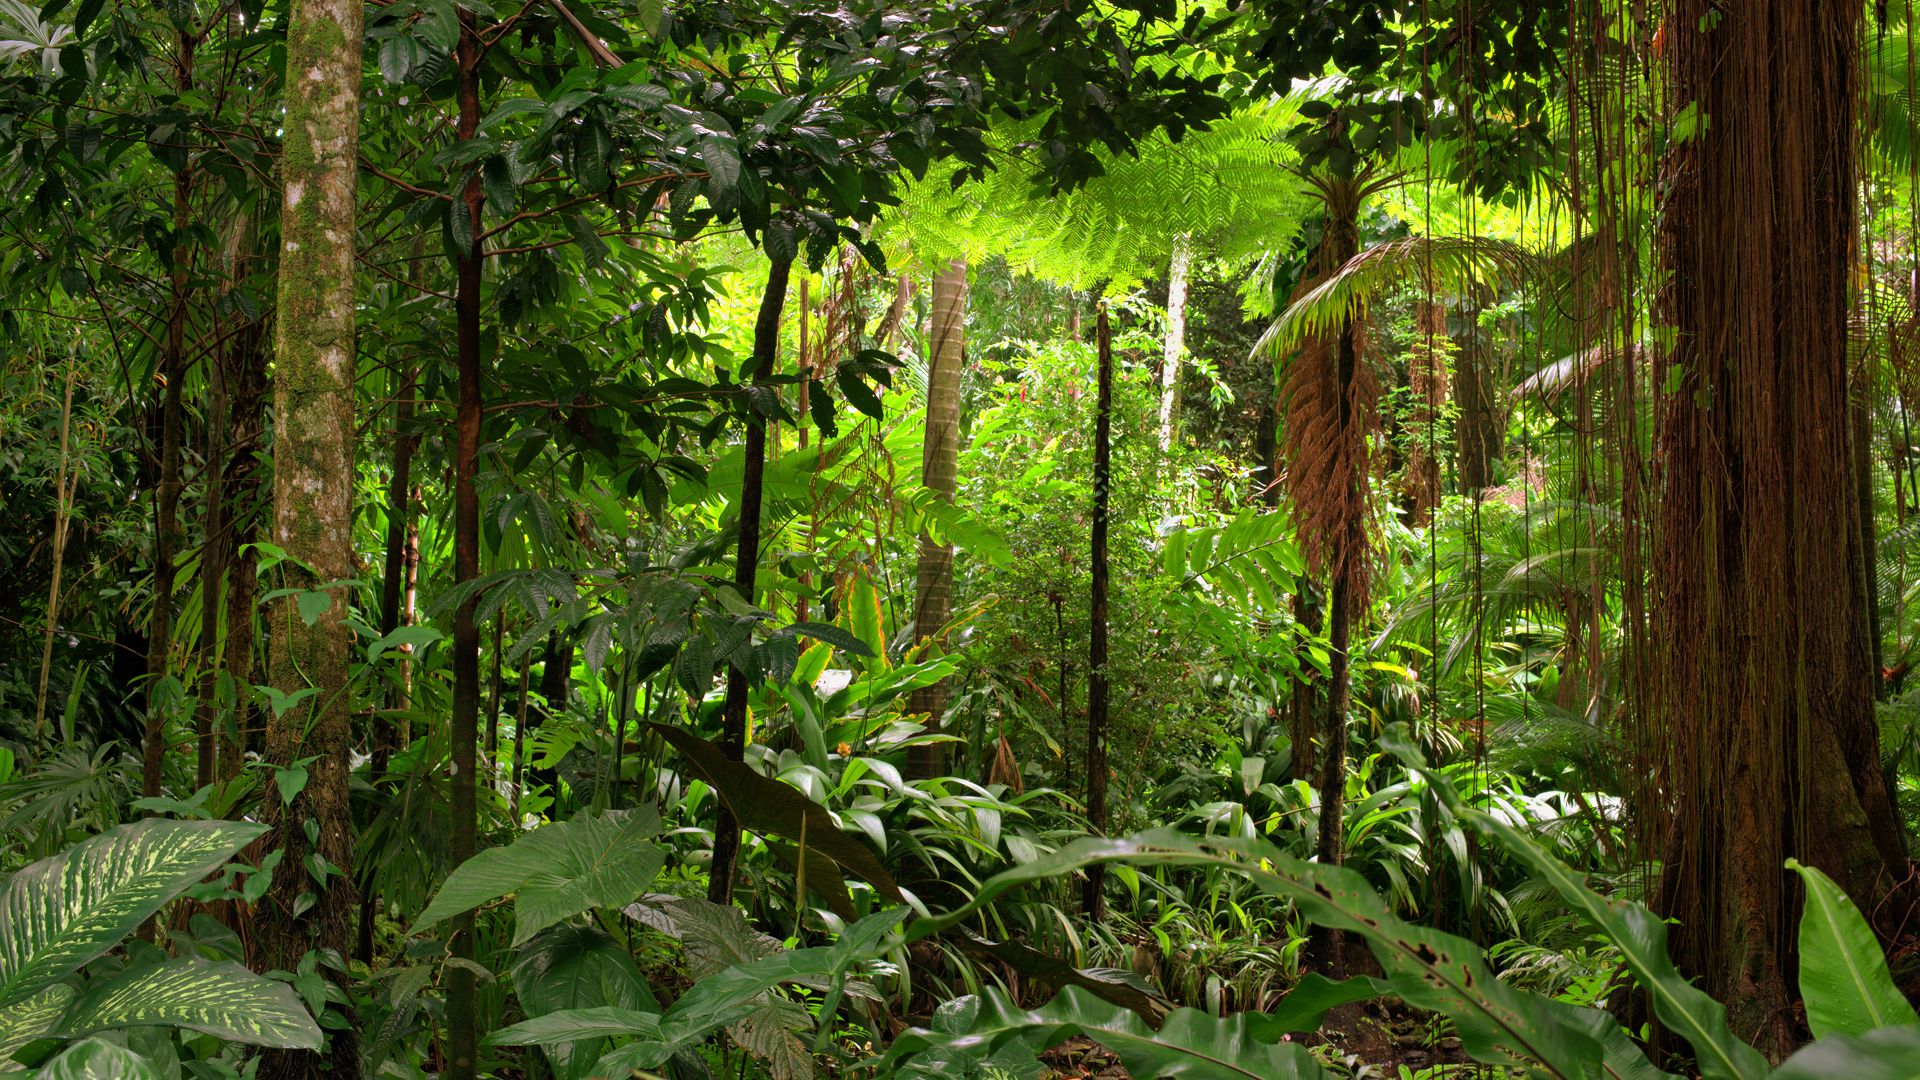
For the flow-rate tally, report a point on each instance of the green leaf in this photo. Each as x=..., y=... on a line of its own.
x=1641, y=935
x=769, y=806
x=1843, y=973
x=416, y=637
x=1307, y=1004
x=313, y=604
x=63, y=911
x=572, y=966
x=24, y=1021
x=222, y=999
x=1890, y=1053
x=827, y=634
x=867, y=618
x=557, y=872
x=1190, y=1044
x=572, y=1025
x=98, y=1059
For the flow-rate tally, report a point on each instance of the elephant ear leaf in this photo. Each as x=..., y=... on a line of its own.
x=223, y=999
x=66, y=910
x=1843, y=973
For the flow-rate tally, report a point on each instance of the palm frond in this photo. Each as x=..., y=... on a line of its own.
x=1461, y=263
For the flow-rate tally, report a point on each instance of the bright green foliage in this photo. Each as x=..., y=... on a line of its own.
x=1843, y=974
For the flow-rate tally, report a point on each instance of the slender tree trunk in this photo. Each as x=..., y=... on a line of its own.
x=462, y=1033
x=939, y=460
x=213, y=575
x=313, y=505
x=1094, y=902
x=166, y=497
x=519, y=738
x=1765, y=730
x=555, y=672
x=246, y=395
x=393, y=582
x=64, y=482
x=1176, y=337
x=1477, y=436
x=733, y=715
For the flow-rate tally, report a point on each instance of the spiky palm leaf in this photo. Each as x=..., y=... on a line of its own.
x=1445, y=263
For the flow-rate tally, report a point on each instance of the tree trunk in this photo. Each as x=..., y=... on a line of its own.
x=462, y=1033
x=556, y=669
x=166, y=496
x=1094, y=901
x=733, y=716
x=392, y=587
x=63, y=486
x=1176, y=337
x=313, y=505
x=1765, y=727
x=213, y=576
x=1477, y=435
x=939, y=458
x=246, y=395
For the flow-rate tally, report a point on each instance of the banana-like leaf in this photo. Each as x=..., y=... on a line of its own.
x=1498, y=1024
x=557, y=871
x=1843, y=973
x=1190, y=1044
x=98, y=1059
x=1122, y=988
x=572, y=1025
x=1640, y=934
x=64, y=911
x=1891, y=1053
x=222, y=999
x=24, y=1021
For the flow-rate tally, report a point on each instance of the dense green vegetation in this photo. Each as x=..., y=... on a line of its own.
x=719, y=538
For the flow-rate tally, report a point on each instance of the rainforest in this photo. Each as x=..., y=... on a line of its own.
x=965, y=539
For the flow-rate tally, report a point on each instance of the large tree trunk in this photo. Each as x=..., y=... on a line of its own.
x=313, y=503
x=462, y=1033
x=733, y=711
x=1094, y=901
x=1176, y=346
x=1477, y=432
x=939, y=458
x=1766, y=724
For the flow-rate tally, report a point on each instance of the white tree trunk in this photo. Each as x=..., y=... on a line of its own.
x=1176, y=336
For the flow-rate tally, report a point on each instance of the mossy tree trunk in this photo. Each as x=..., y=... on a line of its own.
x=313, y=506
x=939, y=462
x=1766, y=725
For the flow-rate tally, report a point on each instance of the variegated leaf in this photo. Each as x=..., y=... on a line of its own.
x=24, y=1021
x=222, y=999
x=63, y=911
x=98, y=1059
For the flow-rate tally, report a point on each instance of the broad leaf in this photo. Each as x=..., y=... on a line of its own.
x=222, y=999
x=98, y=1059
x=1843, y=973
x=557, y=872
x=1190, y=1044
x=578, y=967
x=61, y=912
x=1307, y=1004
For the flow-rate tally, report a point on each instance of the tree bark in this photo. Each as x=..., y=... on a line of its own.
x=313, y=505
x=462, y=1029
x=1764, y=728
x=1176, y=337
x=939, y=460
x=166, y=496
x=1094, y=900
x=733, y=715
